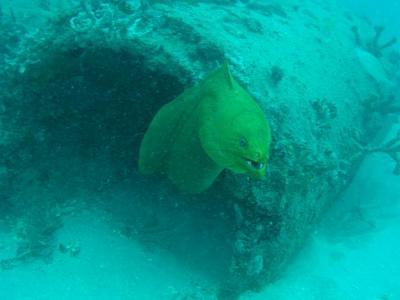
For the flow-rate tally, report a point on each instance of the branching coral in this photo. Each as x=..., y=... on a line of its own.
x=374, y=45
x=377, y=107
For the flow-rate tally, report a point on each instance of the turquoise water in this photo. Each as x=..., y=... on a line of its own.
x=82, y=80
x=384, y=12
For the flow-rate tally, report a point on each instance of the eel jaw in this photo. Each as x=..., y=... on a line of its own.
x=256, y=165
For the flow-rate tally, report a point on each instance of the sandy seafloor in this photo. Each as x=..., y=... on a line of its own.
x=353, y=255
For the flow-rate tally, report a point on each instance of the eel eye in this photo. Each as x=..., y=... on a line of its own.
x=243, y=142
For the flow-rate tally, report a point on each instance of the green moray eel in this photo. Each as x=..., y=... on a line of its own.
x=210, y=127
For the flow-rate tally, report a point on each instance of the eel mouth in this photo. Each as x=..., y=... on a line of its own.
x=257, y=165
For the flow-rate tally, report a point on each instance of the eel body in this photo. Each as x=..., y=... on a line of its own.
x=210, y=127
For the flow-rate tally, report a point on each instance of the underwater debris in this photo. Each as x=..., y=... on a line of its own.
x=34, y=234
x=276, y=75
x=36, y=237
x=374, y=46
x=73, y=249
x=324, y=109
x=35, y=241
x=325, y=112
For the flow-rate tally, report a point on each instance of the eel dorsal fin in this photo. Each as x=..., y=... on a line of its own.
x=221, y=76
x=227, y=74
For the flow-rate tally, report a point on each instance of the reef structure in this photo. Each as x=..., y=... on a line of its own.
x=85, y=86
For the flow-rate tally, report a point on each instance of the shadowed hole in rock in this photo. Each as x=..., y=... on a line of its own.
x=81, y=121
